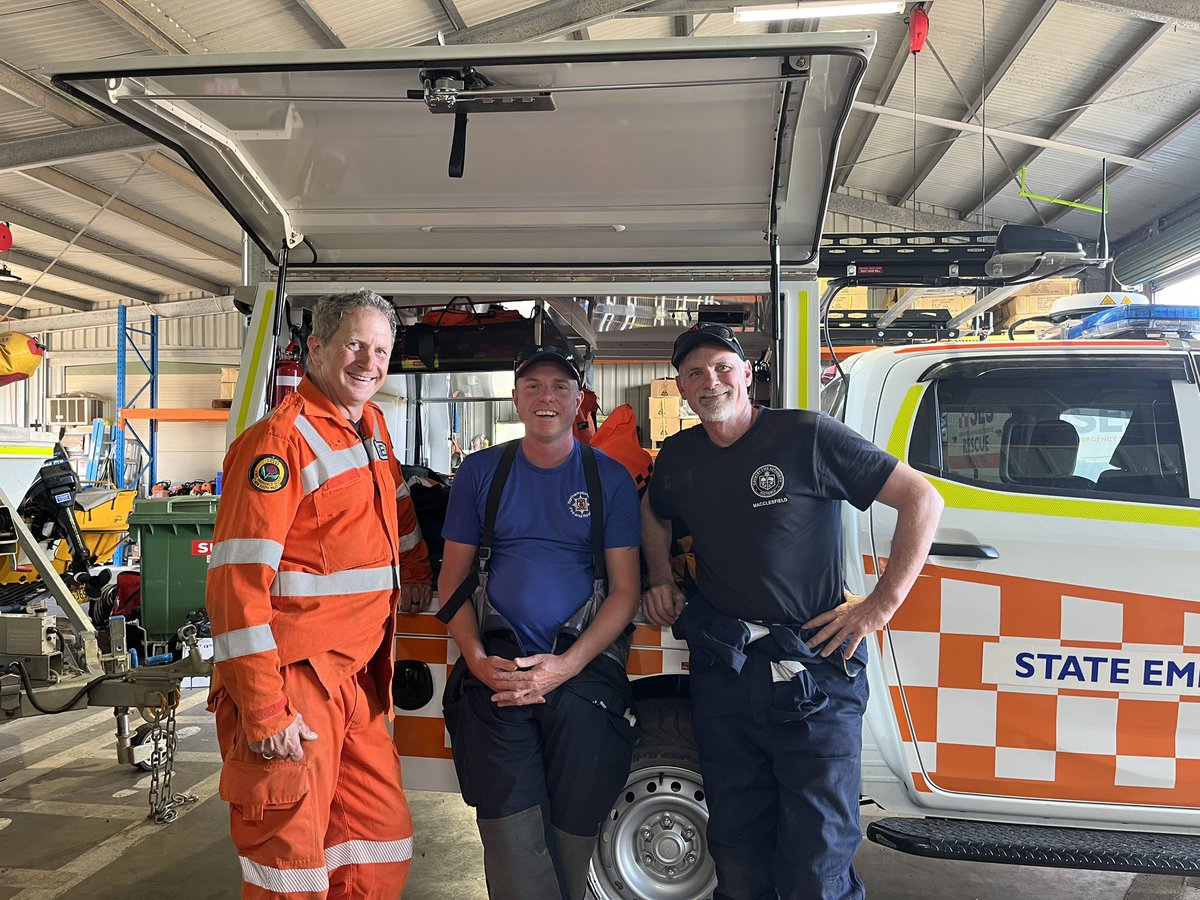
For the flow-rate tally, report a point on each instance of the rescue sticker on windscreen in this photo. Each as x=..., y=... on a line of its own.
x=1086, y=669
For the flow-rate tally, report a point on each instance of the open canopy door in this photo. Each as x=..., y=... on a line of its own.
x=642, y=154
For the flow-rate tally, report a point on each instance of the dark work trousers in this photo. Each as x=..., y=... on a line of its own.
x=568, y=756
x=783, y=796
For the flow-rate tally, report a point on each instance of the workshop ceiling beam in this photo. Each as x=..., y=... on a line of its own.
x=58, y=270
x=1180, y=13
x=16, y=312
x=1116, y=171
x=1001, y=134
x=1152, y=35
x=159, y=38
x=181, y=174
x=81, y=190
x=335, y=42
x=681, y=26
x=660, y=8
x=886, y=214
x=899, y=33
x=120, y=254
x=43, y=296
x=70, y=146
x=542, y=21
x=972, y=112
x=29, y=90
x=453, y=15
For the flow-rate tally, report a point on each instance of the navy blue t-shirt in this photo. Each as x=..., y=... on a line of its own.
x=764, y=513
x=541, y=567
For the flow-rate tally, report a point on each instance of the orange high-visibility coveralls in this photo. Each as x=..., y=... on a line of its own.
x=314, y=534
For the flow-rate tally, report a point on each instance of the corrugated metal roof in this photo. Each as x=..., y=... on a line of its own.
x=630, y=29
x=382, y=23
x=475, y=12
x=225, y=26
x=32, y=36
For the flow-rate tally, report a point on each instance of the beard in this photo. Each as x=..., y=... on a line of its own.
x=717, y=412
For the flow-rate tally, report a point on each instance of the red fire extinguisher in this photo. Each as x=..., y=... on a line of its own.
x=287, y=374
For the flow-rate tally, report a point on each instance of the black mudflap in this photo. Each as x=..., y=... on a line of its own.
x=1035, y=845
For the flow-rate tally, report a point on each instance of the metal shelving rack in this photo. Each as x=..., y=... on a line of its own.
x=125, y=342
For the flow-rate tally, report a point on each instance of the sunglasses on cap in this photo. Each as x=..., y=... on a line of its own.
x=703, y=333
x=546, y=353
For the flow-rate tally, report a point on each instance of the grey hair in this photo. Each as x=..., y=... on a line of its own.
x=330, y=310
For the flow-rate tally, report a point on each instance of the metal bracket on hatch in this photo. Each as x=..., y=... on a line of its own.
x=466, y=90
x=186, y=117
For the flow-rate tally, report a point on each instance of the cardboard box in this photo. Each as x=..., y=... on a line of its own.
x=229, y=374
x=665, y=407
x=227, y=388
x=661, y=429
x=688, y=422
x=664, y=387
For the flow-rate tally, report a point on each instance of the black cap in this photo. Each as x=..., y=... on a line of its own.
x=704, y=332
x=547, y=353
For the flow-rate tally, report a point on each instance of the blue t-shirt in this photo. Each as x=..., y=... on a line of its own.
x=541, y=565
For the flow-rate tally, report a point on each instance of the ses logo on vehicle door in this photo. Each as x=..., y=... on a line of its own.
x=766, y=482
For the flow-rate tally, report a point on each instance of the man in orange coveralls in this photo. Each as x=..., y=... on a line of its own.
x=316, y=543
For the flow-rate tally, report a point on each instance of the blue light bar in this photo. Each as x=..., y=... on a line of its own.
x=1138, y=321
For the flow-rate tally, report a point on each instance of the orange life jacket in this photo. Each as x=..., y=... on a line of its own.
x=618, y=438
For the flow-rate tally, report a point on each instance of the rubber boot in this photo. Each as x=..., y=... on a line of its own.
x=516, y=860
x=574, y=857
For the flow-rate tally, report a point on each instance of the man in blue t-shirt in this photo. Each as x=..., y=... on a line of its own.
x=776, y=648
x=539, y=708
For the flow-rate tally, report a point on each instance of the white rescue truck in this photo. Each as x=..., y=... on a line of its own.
x=1039, y=674
x=1037, y=697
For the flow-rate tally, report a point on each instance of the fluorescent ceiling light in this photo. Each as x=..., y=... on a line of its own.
x=819, y=9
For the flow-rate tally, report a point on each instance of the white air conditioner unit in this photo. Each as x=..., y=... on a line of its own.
x=75, y=410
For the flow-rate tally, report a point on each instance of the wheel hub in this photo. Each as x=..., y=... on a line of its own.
x=668, y=844
x=652, y=843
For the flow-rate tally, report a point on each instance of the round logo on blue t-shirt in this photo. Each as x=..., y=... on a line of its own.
x=580, y=505
x=767, y=481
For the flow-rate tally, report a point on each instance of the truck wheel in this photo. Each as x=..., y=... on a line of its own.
x=653, y=843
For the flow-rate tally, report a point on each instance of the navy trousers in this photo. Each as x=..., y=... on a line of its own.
x=783, y=797
x=569, y=755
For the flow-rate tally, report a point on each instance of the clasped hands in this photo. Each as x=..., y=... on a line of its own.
x=523, y=681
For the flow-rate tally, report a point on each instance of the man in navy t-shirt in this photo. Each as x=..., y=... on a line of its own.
x=540, y=720
x=776, y=648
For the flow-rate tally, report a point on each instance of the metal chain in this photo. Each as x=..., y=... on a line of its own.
x=164, y=806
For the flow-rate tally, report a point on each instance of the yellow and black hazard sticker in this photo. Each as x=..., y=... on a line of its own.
x=268, y=473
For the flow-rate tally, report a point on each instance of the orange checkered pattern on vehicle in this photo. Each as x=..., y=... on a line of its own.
x=1042, y=740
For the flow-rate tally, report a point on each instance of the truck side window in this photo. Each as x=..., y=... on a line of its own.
x=1048, y=432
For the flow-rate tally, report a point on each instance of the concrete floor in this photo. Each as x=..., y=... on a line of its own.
x=73, y=825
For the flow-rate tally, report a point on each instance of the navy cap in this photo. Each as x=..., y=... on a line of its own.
x=701, y=333
x=547, y=353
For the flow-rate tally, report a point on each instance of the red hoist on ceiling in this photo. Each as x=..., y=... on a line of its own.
x=918, y=28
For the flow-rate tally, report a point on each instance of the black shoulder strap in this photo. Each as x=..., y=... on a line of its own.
x=484, y=552
x=591, y=472
x=499, y=479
